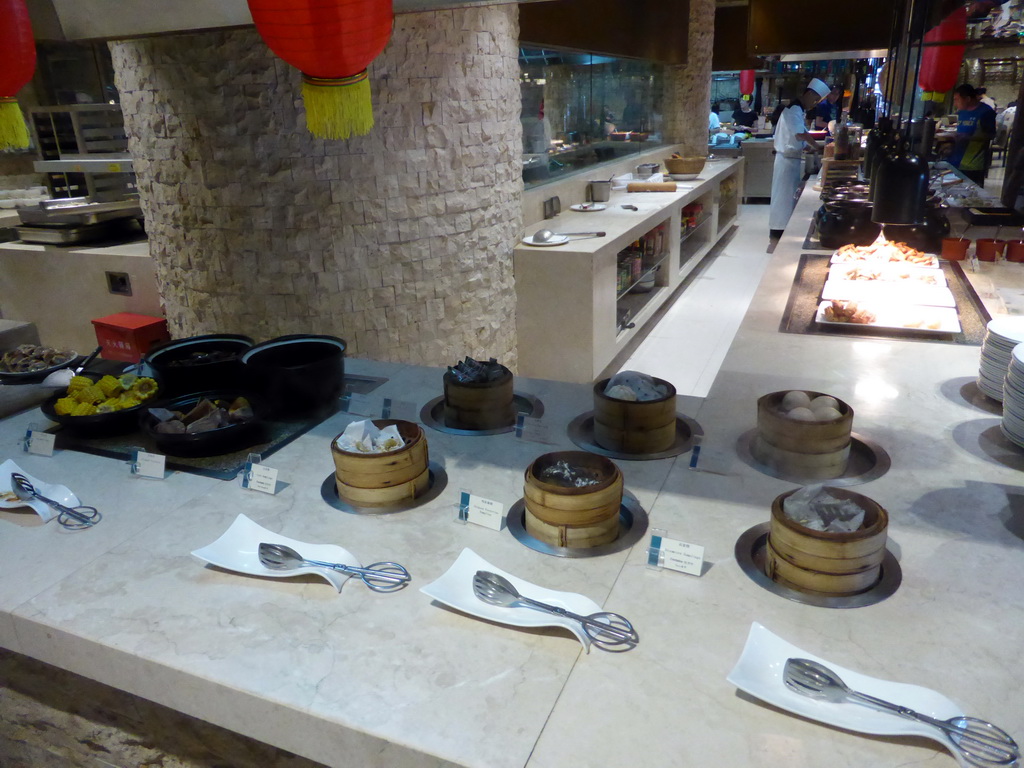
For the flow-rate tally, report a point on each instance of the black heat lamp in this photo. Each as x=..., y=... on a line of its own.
x=900, y=186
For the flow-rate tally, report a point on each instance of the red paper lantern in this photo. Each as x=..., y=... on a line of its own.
x=746, y=81
x=17, y=64
x=940, y=64
x=331, y=42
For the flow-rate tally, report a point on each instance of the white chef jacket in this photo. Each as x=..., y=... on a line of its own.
x=788, y=167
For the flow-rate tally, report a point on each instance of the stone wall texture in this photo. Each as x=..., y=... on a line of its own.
x=688, y=88
x=399, y=241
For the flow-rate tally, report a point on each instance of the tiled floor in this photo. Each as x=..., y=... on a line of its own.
x=689, y=342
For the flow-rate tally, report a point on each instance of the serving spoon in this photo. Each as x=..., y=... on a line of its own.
x=380, y=577
x=978, y=742
x=608, y=631
x=545, y=235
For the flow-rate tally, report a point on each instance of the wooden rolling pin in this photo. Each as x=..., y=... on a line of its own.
x=651, y=186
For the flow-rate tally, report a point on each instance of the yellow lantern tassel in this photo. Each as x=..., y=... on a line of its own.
x=13, y=131
x=338, y=108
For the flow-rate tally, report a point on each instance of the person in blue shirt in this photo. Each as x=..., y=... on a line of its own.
x=975, y=128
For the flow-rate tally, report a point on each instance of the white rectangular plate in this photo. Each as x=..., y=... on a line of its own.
x=930, y=319
x=886, y=272
x=932, y=262
x=890, y=294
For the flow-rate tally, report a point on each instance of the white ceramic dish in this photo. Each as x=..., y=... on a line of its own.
x=682, y=176
x=889, y=293
x=59, y=493
x=588, y=207
x=931, y=262
x=1009, y=329
x=886, y=272
x=555, y=240
x=759, y=672
x=944, y=319
x=455, y=589
x=238, y=550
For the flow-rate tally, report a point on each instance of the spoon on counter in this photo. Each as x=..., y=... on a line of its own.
x=380, y=577
x=608, y=631
x=545, y=235
x=979, y=743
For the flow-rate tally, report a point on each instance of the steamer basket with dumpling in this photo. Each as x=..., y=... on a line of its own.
x=481, y=405
x=568, y=516
x=635, y=426
x=822, y=562
x=384, y=479
x=800, y=442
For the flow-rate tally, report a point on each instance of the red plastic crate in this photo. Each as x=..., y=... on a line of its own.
x=127, y=336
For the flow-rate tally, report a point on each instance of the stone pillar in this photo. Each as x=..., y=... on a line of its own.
x=399, y=241
x=688, y=88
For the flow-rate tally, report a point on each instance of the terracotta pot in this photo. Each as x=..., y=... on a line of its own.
x=989, y=249
x=955, y=248
x=1015, y=251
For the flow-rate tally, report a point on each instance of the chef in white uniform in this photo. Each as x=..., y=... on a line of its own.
x=790, y=138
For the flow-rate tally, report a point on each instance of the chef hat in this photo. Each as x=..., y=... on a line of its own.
x=819, y=87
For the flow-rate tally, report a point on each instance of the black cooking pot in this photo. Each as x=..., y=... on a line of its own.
x=298, y=375
x=199, y=363
x=215, y=442
x=842, y=223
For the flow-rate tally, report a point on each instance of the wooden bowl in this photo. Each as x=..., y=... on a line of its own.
x=685, y=164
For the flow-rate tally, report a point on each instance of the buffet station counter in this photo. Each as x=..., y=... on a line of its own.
x=349, y=676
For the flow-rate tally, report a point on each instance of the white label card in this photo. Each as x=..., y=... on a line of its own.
x=262, y=478
x=481, y=511
x=363, y=405
x=533, y=430
x=680, y=556
x=40, y=443
x=148, y=465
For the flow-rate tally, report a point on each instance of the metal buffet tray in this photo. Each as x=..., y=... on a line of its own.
x=65, y=234
x=78, y=210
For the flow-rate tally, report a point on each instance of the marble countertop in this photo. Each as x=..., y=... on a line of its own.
x=363, y=679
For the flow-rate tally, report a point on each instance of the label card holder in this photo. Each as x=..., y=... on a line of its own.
x=146, y=464
x=674, y=555
x=259, y=477
x=39, y=442
x=480, y=511
x=532, y=430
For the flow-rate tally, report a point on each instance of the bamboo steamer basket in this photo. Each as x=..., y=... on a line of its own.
x=635, y=427
x=479, y=405
x=827, y=563
x=586, y=516
x=382, y=479
x=815, y=450
x=582, y=536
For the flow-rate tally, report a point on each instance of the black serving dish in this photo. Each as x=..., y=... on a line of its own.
x=297, y=375
x=99, y=424
x=215, y=442
x=200, y=363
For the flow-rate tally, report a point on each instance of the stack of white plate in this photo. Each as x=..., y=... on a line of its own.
x=1004, y=333
x=1013, y=398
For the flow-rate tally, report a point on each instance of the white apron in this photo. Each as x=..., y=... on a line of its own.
x=786, y=178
